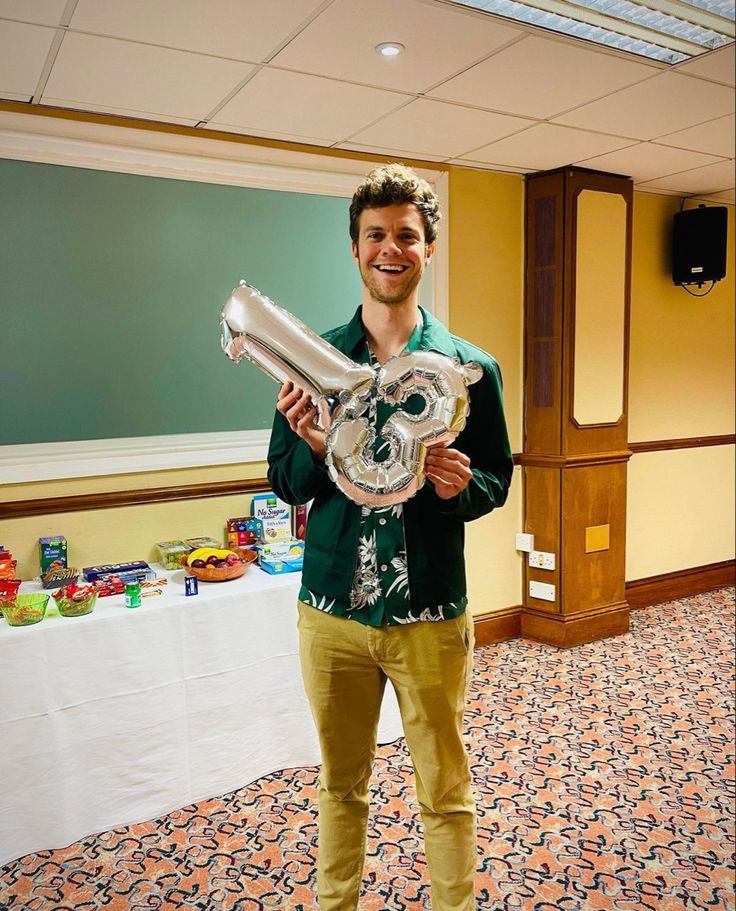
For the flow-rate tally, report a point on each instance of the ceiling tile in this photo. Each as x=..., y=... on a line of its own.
x=23, y=52
x=244, y=31
x=103, y=73
x=666, y=103
x=439, y=41
x=437, y=128
x=718, y=137
x=308, y=106
x=539, y=77
x=395, y=154
x=111, y=110
x=487, y=166
x=711, y=179
x=547, y=146
x=266, y=134
x=718, y=64
x=44, y=12
x=647, y=160
x=725, y=196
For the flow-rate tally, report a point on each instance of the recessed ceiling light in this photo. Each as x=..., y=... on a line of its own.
x=390, y=49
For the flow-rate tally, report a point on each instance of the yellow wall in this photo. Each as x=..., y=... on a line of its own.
x=486, y=273
x=681, y=384
x=680, y=510
x=681, y=375
x=129, y=532
x=486, y=307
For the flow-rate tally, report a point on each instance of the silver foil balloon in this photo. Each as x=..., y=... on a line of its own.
x=253, y=327
x=442, y=382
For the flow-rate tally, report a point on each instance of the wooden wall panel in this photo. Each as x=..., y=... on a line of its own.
x=603, y=437
x=542, y=511
x=593, y=496
x=543, y=323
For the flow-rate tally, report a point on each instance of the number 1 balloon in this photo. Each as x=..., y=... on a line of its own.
x=253, y=327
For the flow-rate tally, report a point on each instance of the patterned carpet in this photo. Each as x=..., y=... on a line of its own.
x=604, y=777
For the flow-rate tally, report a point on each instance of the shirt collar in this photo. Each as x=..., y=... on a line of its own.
x=434, y=337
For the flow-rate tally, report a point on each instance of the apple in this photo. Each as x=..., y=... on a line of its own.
x=198, y=563
x=213, y=560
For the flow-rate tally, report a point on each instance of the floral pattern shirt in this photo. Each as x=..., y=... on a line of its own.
x=380, y=591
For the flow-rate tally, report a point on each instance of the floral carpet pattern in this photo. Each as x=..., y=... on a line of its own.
x=604, y=776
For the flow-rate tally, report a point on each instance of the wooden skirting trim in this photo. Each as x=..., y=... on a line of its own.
x=680, y=584
x=19, y=509
x=726, y=439
x=497, y=626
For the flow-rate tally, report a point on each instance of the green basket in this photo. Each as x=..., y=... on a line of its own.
x=25, y=610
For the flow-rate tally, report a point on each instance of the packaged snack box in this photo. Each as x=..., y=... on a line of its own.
x=287, y=549
x=300, y=521
x=277, y=565
x=275, y=515
x=244, y=531
x=52, y=550
x=56, y=578
x=136, y=571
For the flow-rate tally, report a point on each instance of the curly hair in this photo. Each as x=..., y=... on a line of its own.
x=394, y=184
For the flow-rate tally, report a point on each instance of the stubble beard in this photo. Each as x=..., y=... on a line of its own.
x=380, y=295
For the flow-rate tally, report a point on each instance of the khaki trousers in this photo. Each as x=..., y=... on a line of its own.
x=345, y=665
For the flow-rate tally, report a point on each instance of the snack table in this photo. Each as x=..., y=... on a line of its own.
x=126, y=714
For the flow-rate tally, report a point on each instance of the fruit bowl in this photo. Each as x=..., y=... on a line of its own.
x=220, y=573
x=24, y=610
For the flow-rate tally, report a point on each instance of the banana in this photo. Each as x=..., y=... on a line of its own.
x=202, y=553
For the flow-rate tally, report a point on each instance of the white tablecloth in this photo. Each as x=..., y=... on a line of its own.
x=125, y=715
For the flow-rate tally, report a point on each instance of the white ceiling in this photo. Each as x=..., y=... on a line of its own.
x=470, y=89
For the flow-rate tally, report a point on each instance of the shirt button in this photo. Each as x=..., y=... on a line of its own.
x=381, y=521
x=383, y=567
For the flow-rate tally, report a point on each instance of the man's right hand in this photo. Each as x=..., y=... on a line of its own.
x=300, y=411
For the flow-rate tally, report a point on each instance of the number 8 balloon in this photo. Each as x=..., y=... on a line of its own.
x=253, y=327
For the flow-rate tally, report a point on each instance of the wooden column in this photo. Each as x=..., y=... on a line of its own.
x=578, y=242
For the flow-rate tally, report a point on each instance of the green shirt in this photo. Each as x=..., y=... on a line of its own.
x=380, y=591
x=433, y=528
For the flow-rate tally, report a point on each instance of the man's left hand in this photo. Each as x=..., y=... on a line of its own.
x=449, y=471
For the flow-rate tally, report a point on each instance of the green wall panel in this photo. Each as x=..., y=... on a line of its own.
x=110, y=292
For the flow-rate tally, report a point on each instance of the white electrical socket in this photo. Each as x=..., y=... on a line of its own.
x=540, y=559
x=542, y=590
x=525, y=542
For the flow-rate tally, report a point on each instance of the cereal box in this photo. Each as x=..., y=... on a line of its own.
x=52, y=551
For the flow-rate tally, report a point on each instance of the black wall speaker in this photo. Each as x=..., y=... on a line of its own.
x=699, y=245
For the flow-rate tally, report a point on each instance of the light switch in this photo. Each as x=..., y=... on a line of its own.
x=542, y=590
x=525, y=542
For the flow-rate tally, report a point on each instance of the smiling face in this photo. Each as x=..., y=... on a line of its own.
x=391, y=253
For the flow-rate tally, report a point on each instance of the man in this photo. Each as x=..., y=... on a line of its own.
x=383, y=594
